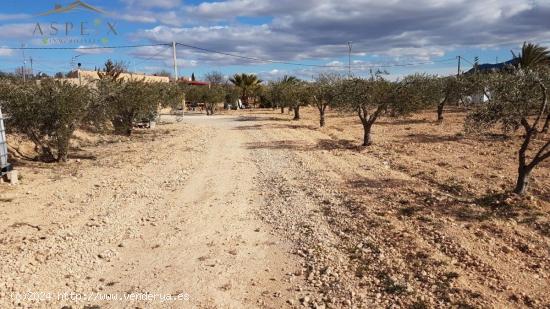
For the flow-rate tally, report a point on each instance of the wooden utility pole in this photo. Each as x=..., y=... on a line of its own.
x=175, y=61
x=458, y=73
x=349, y=57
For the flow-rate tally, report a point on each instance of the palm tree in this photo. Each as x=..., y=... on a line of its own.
x=247, y=83
x=532, y=55
x=289, y=79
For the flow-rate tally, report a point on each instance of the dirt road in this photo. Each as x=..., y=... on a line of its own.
x=257, y=211
x=169, y=215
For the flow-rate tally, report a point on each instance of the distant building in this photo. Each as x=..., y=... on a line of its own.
x=86, y=77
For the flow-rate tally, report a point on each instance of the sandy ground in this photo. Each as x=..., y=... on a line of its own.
x=168, y=214
x=253, y=210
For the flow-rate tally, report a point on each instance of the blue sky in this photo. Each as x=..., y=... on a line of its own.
x=427, y=32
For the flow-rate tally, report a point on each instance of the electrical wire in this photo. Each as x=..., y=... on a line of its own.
x=151, y=57
x=310, y=65
x=207, y=50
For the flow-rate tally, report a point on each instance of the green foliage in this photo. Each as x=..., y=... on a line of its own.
x=232, y=94
x=512, y=98
x=325, y=90
x=130, y=102
x=112, y=70
x=48, y=113
x=373, y=97
x=210, y=96
x=249, y=84
x=516, y=100
x=170, y=94
x=532, y=56
x=289, y=91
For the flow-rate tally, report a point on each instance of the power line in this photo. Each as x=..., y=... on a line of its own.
x=254, y=58
x=408, y=64
x=207, y=50
x=151, y=57
x=311, y=65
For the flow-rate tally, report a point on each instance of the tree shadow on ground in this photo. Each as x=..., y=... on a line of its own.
x=404, y=121
x=322, y=144
x=82, y=156
x=335, y=144
x=434, y=138
x=391, y=183
x=294, y=126
x=279, y=145
x=250, y=127
x=259, y=118
x=276, y=126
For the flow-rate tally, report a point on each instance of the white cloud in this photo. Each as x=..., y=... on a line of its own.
x=391, y=30
x=4, y=17
x=163, y=4
x=98, y=51
x=401, y=29
x=16, y=31
x=5, y=52
x=137, y=18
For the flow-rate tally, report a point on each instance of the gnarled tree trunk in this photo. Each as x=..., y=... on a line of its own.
x=522, y=180
x=440, y=108
x=367, y=138
x=297, y=112
x=546, y=126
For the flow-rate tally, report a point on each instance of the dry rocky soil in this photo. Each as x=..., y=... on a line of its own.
x=253, y=210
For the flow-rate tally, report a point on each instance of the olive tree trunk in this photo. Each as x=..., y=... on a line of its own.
x=123, y=124
x=367, y=138
x=297, y=112
x=546, y=126
x=440, y=108
x=524, y=168
x=63, y=146
x=523, y=179
x=368, y=121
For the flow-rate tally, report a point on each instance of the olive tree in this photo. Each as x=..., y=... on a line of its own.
x=515, y=100
x=210, y=96
x=48, y=113
x=374, y=97
x=293, y=93
x=445, y=90
x=274, y=93
x=170, y=95
x=231, y=95
x=324, y=93
x=129, y=102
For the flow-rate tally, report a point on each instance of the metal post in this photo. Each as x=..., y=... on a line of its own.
x=175, y=61
x=4, y=165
